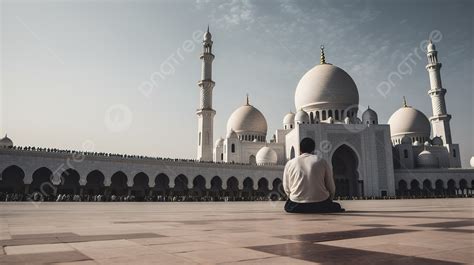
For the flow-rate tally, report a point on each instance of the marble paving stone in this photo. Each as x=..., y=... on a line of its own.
x=147, y=259
x=29, y=239
x=336, y=255
x=461, y=255
x=108, y=253
x=44, y=258
x=400, y=249
x=224, y=255
x=30, y=249
x=331, y=236
x=189, y=246
x=452, y=224
x=83, y=262
x=103, y=244
x=455, y=230
x=165, y=240
x=45, y=235
x=272, y=260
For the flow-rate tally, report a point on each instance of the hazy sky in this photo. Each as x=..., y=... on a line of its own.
x=123, y=74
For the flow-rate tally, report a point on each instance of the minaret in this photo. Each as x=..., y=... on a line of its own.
x=205, y=112
x=440, y=119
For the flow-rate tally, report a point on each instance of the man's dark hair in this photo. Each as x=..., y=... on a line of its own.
x=307, y=145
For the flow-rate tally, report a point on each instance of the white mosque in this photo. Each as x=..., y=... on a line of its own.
x=411, y=155
x=365, y=154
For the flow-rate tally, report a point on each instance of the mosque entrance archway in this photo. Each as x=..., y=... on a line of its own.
x=345, y=164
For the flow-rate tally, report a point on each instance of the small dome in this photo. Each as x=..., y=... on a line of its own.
x=369, y=116
x=472, y=161
x=6, y=142
x=427, y=143
x=301, y=117
x=437, y=141
x=427, y=159
x=326, y=86
x=231, y=134
x=219, y=142
x=431, y=47
x=289, y=119
x=409, y=121
x=247, y=120
x=266, y=156
x=417, y=143
x=207, y=35
x=406, y=140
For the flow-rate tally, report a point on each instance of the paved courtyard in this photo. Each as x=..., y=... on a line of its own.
x=437, y=231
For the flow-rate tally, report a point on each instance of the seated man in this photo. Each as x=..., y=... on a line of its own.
x=308, y=183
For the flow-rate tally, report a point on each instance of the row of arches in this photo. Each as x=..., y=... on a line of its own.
x=321, y=115
x=252, y=137
x=12, y=181
x=426, y=188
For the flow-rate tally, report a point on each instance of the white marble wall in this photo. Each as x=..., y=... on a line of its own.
x=30, y=161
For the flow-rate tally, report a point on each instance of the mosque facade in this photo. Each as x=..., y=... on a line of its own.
x=410, y=155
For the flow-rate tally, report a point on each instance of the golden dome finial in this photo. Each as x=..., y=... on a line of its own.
x=323, y=58
x=404, y=102
x=247, y=102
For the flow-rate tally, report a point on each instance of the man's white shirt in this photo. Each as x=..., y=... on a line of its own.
x=308, y=178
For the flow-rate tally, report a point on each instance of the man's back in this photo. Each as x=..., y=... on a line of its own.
x=308, y=178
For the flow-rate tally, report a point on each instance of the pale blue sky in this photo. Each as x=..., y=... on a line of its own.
x=66, y=65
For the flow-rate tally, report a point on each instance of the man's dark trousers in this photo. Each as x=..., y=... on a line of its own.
x=327, y=206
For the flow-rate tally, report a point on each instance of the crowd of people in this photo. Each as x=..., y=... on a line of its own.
x=37, y=196
x=113, y=155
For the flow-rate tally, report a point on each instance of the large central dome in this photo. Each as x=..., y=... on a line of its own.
x=248, y=121
x=326, y=86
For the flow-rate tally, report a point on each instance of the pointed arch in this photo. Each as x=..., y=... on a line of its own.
x=162, y=182
x=262, y=189
x=216, y=186
x=69, y=182
x=180, y=185
x=12, y=179
x=345, y=164
x=95, y=183
x=140, y=186
x=232, y=187
x=199, y=186
x=42, y=182
x=118, y=185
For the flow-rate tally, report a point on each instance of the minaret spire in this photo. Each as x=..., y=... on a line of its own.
x=323, y=57
x=440, y=119
x=205, y=112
